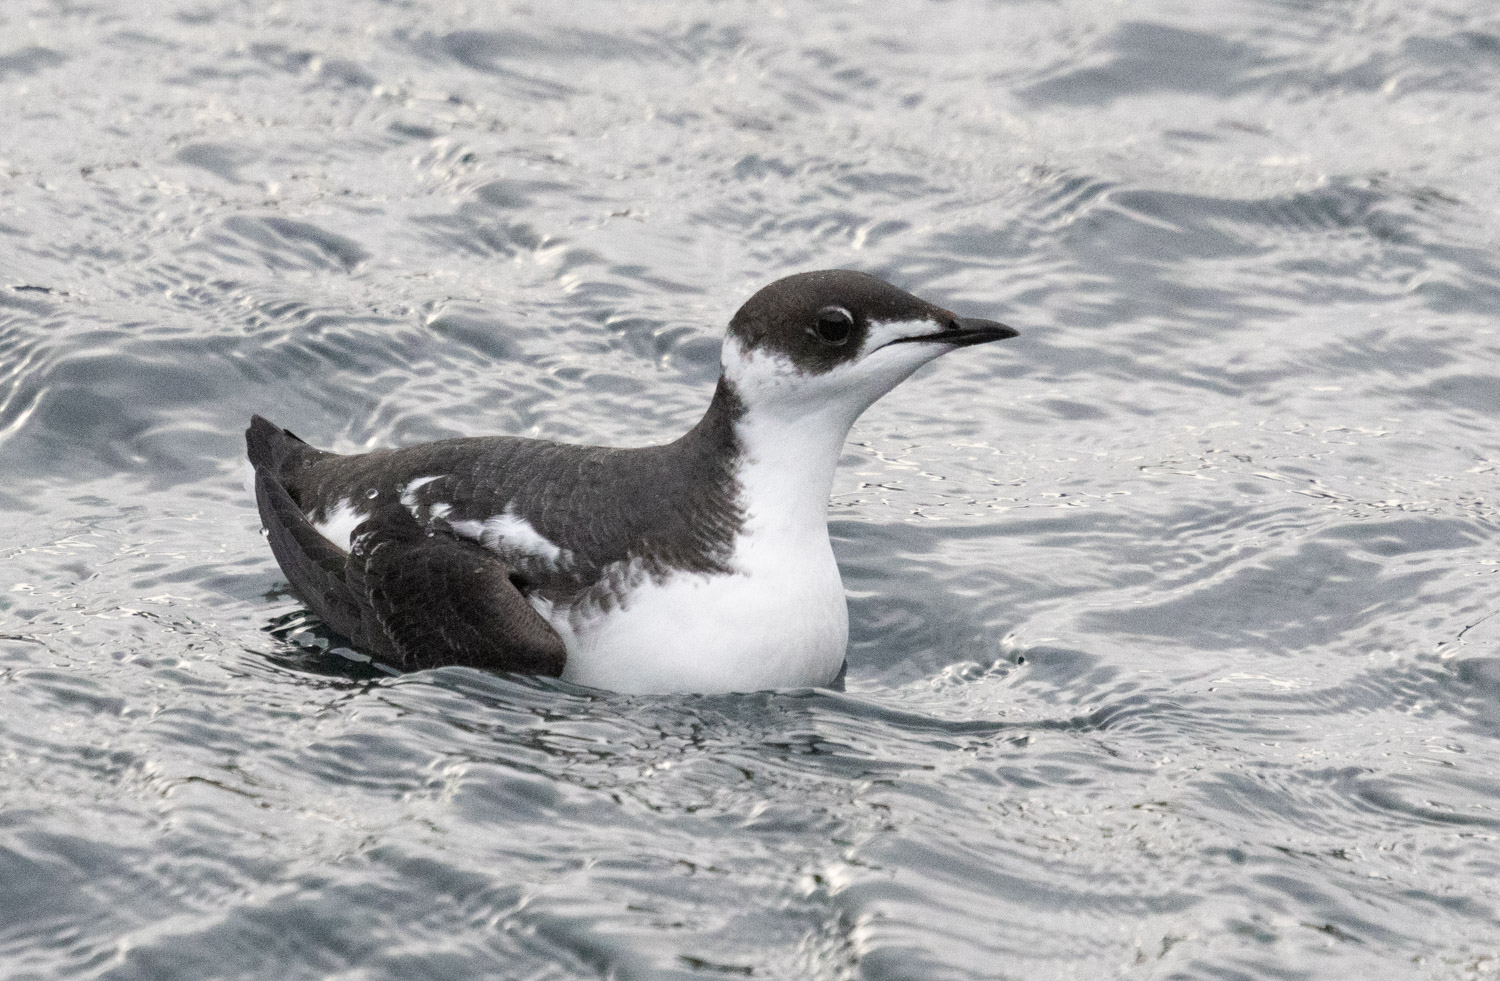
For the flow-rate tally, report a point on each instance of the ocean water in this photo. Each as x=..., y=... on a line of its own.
x=1175, y=641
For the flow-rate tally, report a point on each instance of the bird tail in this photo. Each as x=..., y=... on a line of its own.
x=274, y=450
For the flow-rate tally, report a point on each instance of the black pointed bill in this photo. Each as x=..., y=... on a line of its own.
x=964, y=332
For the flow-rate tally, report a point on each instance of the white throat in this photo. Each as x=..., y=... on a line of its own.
x=795, y=422
x=786, y=470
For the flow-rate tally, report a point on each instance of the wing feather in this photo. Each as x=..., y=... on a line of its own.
x=442, y=599
x=416, y=596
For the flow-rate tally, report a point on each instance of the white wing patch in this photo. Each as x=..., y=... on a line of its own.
x=509, y=533
x=409, y=492
x=339, y=522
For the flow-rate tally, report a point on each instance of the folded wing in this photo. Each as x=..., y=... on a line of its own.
x=416, y=596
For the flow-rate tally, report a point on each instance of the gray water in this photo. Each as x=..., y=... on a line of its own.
x=1175, y=622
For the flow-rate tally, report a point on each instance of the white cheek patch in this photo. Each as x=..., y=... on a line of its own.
x=741, y=366
x=760, y=375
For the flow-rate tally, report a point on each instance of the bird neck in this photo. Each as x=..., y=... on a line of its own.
x=784, y=457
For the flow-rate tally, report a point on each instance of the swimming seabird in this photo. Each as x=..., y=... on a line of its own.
x=702, y=565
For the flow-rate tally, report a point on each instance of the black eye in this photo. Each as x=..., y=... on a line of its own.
x=834, y=325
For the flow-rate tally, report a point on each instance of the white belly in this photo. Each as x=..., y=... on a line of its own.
x=774, y=624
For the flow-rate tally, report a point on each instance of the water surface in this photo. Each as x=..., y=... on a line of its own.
x=1175, y=622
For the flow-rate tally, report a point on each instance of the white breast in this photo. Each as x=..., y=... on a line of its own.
x=779, y=621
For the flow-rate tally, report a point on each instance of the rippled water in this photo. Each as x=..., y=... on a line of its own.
x=1175, y=623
